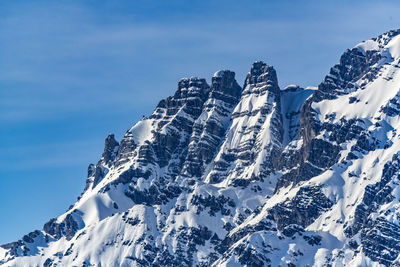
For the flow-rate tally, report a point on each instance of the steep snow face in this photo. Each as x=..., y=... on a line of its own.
x=221, y=175
x=255, y=134
x=293, y=98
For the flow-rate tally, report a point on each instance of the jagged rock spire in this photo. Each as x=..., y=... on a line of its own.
x=191, y=87
x=262, y=74
x=223, y=82
x=254, y=138
x=110, y=145
x=212, y=124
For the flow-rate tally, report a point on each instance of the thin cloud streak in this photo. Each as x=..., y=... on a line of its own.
x=66, y=63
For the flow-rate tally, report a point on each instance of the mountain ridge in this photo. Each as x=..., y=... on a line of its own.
x=223, y=175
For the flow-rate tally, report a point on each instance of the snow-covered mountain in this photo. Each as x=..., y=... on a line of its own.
x=221, y=175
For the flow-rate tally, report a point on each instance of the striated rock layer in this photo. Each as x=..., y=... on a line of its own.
x=221, y=175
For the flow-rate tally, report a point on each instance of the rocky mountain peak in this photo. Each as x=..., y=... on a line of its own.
x=191, y=87
x=224, y=86
x=262, y=74
x=224, y=81
x=359, y=66
x=110, y=148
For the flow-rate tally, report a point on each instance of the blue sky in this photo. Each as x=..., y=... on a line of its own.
x=73, y=71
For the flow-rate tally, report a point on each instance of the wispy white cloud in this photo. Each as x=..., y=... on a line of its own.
x=74, y=62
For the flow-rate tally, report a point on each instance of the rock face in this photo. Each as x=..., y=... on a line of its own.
x=221, y=175
x=254, y=138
